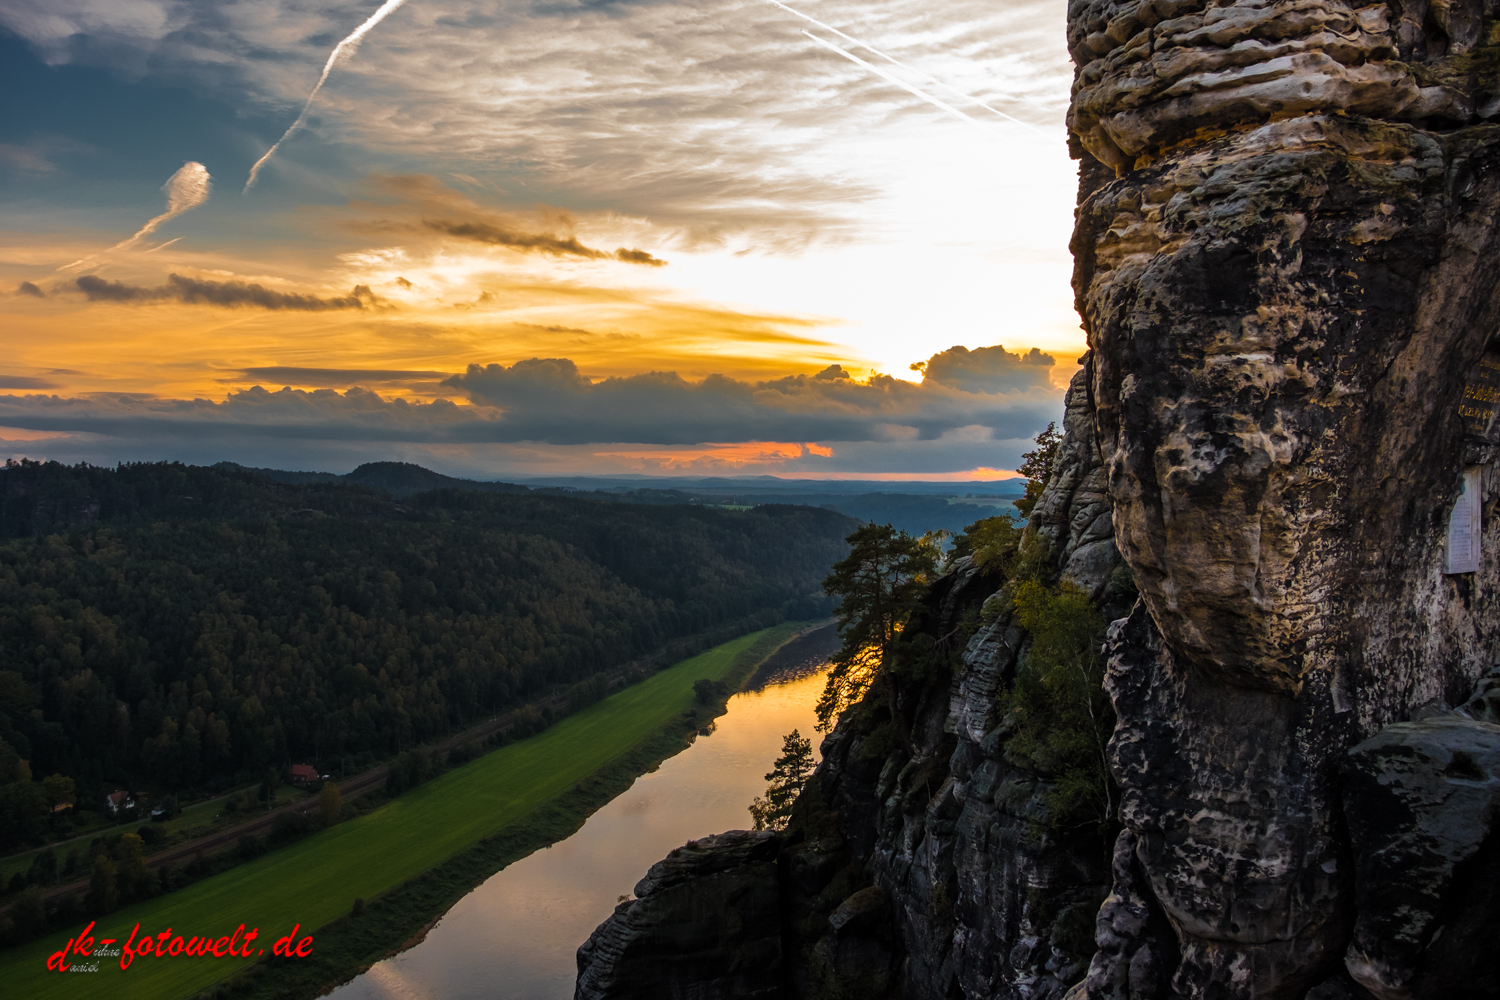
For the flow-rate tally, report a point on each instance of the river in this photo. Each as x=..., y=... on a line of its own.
x=514, y=937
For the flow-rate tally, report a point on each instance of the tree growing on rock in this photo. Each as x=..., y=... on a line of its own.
x=786, y=779
x=1036, y=466
x=879, y=584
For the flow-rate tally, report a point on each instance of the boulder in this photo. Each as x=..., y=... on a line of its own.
x=705, y=925
x=1422, y=800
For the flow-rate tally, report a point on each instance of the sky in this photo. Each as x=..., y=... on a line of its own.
x=733, y=237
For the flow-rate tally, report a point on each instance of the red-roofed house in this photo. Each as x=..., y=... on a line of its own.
x=302, y=775
x=117, y=801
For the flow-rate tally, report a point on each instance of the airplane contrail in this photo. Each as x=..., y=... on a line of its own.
x=894, y=79
x=186, y=190
x=161, y=245
x=345, y=48
x=895, y=62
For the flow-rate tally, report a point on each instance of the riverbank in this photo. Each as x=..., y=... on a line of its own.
x=409, y=859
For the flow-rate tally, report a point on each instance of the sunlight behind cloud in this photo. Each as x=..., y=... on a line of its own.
x=647, y=188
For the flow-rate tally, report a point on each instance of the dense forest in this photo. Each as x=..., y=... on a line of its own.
x=182, y=628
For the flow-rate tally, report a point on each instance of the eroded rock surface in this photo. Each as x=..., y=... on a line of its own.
x=1288, y=268
x=705, y=923
x=933, y=870
x=1287, y=264
x=1422, y=800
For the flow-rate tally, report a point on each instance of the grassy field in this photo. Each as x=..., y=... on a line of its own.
x=316, y=881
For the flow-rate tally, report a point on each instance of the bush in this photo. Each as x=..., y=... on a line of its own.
x=28, y=918
x=585, y=693
x=104, y=894
x=331, y=802
x=1062, y=716
x=250, y=846
x=408, y=770
x=707, y=692
x=528, y=722
x=43, y=870
x=289, y=827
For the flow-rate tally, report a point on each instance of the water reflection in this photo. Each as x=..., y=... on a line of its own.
x=514, y=937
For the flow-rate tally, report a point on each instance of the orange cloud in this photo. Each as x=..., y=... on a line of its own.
x=734, y=455
x=980, y=474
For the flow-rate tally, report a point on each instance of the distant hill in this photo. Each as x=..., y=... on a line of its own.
x=768, y=485
x=399, y=479
x=914, y=513
x=917, y=507
x=914, y=507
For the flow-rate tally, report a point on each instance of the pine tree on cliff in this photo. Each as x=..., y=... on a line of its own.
x=1036, y=466
x=879, y=584
x=786, y=778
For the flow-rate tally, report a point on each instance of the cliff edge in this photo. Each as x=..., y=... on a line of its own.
x=1288, y=268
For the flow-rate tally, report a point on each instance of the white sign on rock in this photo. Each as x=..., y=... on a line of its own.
x=1464, y=525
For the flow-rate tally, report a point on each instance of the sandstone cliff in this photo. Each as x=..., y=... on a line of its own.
x=1288, y=268
x=1287, y=265
x=926, y=873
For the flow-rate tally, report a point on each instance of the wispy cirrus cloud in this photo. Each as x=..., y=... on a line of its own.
x=573, y=99
x=38, y=154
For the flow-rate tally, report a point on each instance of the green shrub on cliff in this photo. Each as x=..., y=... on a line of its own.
x=1036, y=466
x=1057, y=707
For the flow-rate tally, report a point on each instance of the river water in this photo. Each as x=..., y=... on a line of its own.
x=514, y=937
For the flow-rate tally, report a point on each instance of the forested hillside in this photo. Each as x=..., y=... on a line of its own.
x=183, y=627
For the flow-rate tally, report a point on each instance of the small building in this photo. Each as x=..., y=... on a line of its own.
x=302, y=775
x=118, y=801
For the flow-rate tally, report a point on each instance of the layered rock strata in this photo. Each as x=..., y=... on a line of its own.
x=1288, y=266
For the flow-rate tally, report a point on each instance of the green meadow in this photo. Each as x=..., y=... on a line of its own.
x=316, y=880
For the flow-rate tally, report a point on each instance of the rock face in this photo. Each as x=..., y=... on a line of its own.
x=930, y=871
x=1287, y=266
x=705, y=923
x=1422, y=799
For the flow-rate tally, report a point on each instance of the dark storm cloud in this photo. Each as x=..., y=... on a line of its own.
x=27, y=288
x=548, y=401
x=193, y=291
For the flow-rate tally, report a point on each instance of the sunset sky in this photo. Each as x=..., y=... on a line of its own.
x=536, y=238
